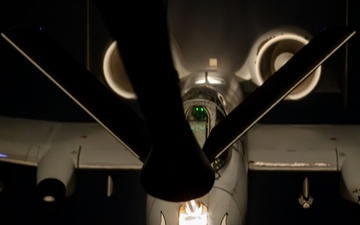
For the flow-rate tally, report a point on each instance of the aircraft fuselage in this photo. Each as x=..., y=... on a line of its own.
x=209, y=97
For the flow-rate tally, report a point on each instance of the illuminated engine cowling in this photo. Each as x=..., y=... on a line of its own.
x=271, y=51
x=115, y=74
x=115, y=71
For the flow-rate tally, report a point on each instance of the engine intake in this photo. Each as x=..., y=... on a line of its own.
x=117, y=78
x=271, y=51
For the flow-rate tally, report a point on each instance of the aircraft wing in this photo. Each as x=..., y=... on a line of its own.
x=90, y=146
x=308, y=148
x=301, y=147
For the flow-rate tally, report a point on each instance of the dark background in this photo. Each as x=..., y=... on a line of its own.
x=76, y=25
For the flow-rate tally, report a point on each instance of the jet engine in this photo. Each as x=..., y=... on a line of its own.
x=271, y=51
x=116, y=76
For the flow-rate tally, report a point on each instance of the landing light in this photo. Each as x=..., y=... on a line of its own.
x=49, y=198
x=193, y=213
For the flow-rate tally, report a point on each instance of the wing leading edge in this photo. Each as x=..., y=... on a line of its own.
x=302, y=147
x=87, y=144
x=308, y=148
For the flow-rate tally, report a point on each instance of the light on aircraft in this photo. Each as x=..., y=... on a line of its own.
x=200, y=113
x=197, y=117
x=193, y=213
x=209, y=79
x=49, y=198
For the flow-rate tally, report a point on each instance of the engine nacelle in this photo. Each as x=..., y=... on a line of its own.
x=271, y=51
x=56, y=175
x=116, y=76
